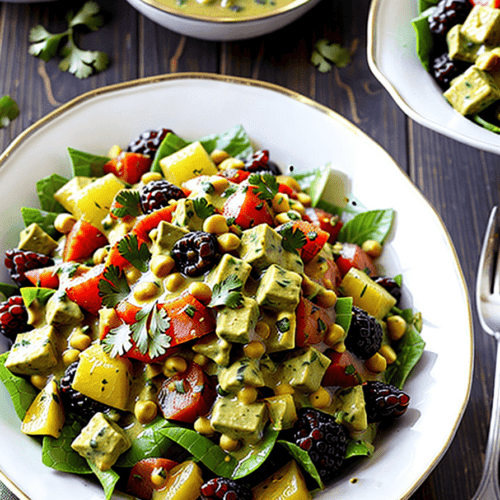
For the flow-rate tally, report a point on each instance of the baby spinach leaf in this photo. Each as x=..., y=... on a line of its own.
x=359, y=448
x=44, y=219
x=423, y=35
x=302, y=457
x=170, y=145
x=250, y=458
x=486, y=124
x=343, y=312
x=58, y=454
x=211, y=455
x=370, y=225
x=21, y=391
x=86, y=164
x=234, y=141
x=7, y=290
x=45, y=189
x=107, y=478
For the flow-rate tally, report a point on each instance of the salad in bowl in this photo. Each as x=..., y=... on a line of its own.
x=187, y=320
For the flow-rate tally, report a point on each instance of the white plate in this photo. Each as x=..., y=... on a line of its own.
x=393, y=60
x=304, y=134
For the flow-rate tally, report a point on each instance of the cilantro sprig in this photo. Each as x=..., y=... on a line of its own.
x=81, y=63
x=8, y=110
x=129, y=204
x=228, y=293
x=326, y=53
x=267, y=185
x=137, y=254
x=114, y=287
x=293, y=238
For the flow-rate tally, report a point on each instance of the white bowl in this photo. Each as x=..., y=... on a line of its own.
x=404, y=455
x=225, y=29
x=393, y=60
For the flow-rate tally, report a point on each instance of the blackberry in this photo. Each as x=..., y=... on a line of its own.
x=444, y=69
x=447, y=14
x=259, y=162
x=324, y=439
x=74, y=401
x=226, y=489
x=365, y=335
x=148, y=142
x=390, y=285
x=195, y=253
x=13, y=317
x=19, y=261
x=157, y=194
x=383, y=401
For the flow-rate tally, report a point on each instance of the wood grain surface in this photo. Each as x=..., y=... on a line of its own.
x=460, y=182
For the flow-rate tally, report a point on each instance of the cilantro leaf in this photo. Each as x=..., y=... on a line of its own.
x=267, y=185
x=81, y=63
x=117, y=342
x=88, y=15
x=129, y=201
x=202, y=208
x=8, y=110
x=228, y=293
x=44, y=45
x=114, y=288
x=293, y=238
x=325, y=53
x=137, y=255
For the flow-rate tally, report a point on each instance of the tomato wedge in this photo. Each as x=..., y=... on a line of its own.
x=147, y=223
x=344, y=370
x=44, y=277
x=326, y=221
x=82, y=241
x=139, y=480
x=315, y=237
x=352, y=255
x=84, y=289
x=312, y=323
x=187, y=396
x=129, y=167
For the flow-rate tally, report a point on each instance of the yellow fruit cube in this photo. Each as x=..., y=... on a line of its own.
x=286, y=484
x=187, y=163
x=68, y=194
x=184, y=483
x=45, y=416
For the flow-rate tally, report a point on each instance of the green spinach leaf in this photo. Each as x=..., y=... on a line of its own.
x=370, y=225
x=86, y=164
x=302, y=457
x=107, y=478
x=234, y=141
x=46, y=188
x=423, y=35
x=44, y=219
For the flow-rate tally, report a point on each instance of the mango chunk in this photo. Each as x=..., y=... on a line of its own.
x=286, y=484
x=184, y=483
x=45, y=416
x=187, y=163
x=103, y=378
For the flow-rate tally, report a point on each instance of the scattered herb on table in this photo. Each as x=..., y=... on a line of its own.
x=326, y=53
x=8, y=110
x=81, y=63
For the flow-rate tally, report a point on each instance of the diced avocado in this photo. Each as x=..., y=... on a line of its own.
x=101, y=441
x=304, y=369
x=229, y=265
x=282, y=412
x=168, y=234
x=214, y=348
x=243, y=372
x=366, y=294
x=186, y=215
x=45, y=416
x=483, y=25
x=282, y=326
x=460, y=47
x=62, y=311
x=187, y=163
x=279, y=289
x=288, y=482
x=349, y=407
x=237, y=325
x=103, y=378
x=239, y=420
x=35, y=239
x=183, y=483
x=33, y=352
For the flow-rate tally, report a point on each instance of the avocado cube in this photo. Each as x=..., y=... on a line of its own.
x=483, y=25
x=185, y=215
x=238, y=420
x=166, y=237
x=101, y=441
x=304, y=369
x=35, y=239
x=214, y=348
x=459, y=46
x=243, y=372
x=260, y=246
x=62, y=311
x=282, y=412
x=282, y=326
x=229, y=265
x=279, y=289
x=349, y=404
x=237, y=325
x=34, y=352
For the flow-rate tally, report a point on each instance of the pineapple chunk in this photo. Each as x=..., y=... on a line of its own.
x=366, y=294
x=187, y=163
x=68, y=194
x=45, y=416
x=183, y=483
x=103, y=378
x=286, y=484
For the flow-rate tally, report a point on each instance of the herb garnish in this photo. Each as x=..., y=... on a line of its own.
x=293, y=238
x=202, y=208
x=80, y=63
x=129, y=201
x=114, y=288
x=149, y=330
x=137, y=254
x=325, y=53
x=8, y=110
x=117, y=342
x=267, y=185
x=228, y=293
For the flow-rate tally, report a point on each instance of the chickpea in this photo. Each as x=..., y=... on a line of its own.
x=283, y=388
x=218, y=156
x=200, y=291
x=255, y=349
x=320, y=398
x=215, y=224
x=376, y=364
x=100, y=255
x=289, y=216
x=174, y=365
x=280, y=203
x=64, y=223
x=396, y=327
x=262, y=329
x=146, y=291
x=70, y=356
x=326, y=298
x=79, y=341
x=132, y=274
x=203, y=426
x=388, y=353
x=230, y=163
x=220, y=184
x=228, y=242
x=159, y=477
x=247, y=395
x=150, y=177
x=373, y=248
x=228, y=444
x=174, y=282
x=114, y=151
x=305, y=199
x=39, y=381
x=162, y=265
x=145, y=411
x=335, y=334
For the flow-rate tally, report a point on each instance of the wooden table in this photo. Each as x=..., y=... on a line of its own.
x=460, y=182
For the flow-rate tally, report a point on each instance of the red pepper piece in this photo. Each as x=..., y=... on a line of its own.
x=82, y=241
x=352, y=255
x=139, y=481
x=345, y=370
x=313, y=323
x=44, y=277
x=326, y=221
x=147, y=223
x=129, y=167
x=84, y=289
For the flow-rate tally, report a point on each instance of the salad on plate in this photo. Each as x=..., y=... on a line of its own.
x=187, y=320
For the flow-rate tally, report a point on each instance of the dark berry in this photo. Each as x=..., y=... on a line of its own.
x=13, y=317
x=19, y=261
x=390, y=285
x=148, y=142
x=447, y=14
x=226, y=489
x=383, y=401
x=74, y=401
x=444, y=69
x=259, y=162
x=324, y=440
x=157, y=194
x=195, y=253
x=364, y=337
